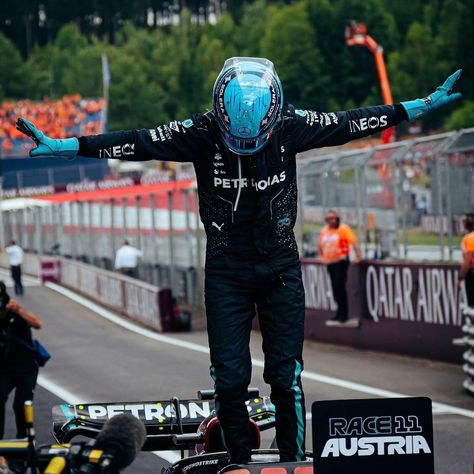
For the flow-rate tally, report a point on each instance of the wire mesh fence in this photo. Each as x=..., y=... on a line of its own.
x=405, y=200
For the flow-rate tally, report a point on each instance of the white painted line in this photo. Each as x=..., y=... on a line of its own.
x=60, y=392
x=124, y=323
x=74, y=399
x=306, y=374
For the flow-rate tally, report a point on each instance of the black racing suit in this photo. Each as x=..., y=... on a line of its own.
x=248, y=207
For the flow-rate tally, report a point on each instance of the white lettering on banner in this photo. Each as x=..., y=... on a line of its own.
x=365, y=123
x=28, y=191
x=385, y=436
x=94, y=185
x=389, y=292
x=376, y=445
x=318, y=292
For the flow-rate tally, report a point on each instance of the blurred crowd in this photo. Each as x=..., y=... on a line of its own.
x=69, y=116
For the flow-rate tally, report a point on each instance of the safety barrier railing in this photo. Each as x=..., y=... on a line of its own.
x=150, y=305
x=404, y=199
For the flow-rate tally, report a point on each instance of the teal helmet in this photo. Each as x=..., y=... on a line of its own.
x=247, y=100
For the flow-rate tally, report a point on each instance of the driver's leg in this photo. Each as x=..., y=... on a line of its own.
x=280, y=308
x=230, y=309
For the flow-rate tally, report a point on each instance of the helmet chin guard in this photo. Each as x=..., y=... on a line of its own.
x=247, y=100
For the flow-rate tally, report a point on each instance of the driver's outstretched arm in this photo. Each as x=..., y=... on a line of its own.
x=177, y=141
x=318, y=129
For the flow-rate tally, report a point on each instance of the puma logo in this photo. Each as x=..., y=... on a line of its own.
x=218, y=227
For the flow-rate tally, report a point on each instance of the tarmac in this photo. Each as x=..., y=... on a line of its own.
x=98, y=356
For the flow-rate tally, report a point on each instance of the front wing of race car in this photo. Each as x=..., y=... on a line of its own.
x=163, y=419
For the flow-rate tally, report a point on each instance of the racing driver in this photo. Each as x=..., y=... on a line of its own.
x=243, y=152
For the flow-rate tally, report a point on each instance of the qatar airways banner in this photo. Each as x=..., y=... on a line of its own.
x=413, y=309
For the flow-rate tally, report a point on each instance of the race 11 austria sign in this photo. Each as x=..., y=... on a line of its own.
x=373, y=436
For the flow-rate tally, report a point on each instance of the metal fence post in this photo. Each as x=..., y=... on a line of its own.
x=80, y=225
x=92, y=241
x=72, y=238
x=124, y=217
x=170, y=240
x=449, y=211
x=364, y=201
x=101, y=232
x=138, y=201
x=39, y=237
x=60, y=227
x=13, y=225
x=112, y=228
x=23, y=235
x=28, y=239
x=154, y=242
x=440, y=203
x=358, y=203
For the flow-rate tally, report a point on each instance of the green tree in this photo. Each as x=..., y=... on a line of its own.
x=64, y=61
x=414, y=71
x=463, y=117
x=135, y=102
x=455, y=42
x=251, y=29
x=289, y=42
x=38, y=73
x=11, y=69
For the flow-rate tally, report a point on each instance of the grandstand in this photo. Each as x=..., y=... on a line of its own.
x=69, y=116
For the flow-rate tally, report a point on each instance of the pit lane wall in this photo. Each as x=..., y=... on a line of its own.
x=135, y=299
x=404, y=308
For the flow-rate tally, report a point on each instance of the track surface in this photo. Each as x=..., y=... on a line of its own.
x=97, y=360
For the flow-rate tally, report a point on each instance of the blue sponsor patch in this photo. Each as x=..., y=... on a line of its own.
x=301, y=113
x=187, y=123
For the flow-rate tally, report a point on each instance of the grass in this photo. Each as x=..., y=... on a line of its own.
x=418, y=237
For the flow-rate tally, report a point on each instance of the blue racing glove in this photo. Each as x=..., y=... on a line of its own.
x=67, y=147
x=442, y=96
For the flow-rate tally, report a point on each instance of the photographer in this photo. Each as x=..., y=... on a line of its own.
x=18, y=366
